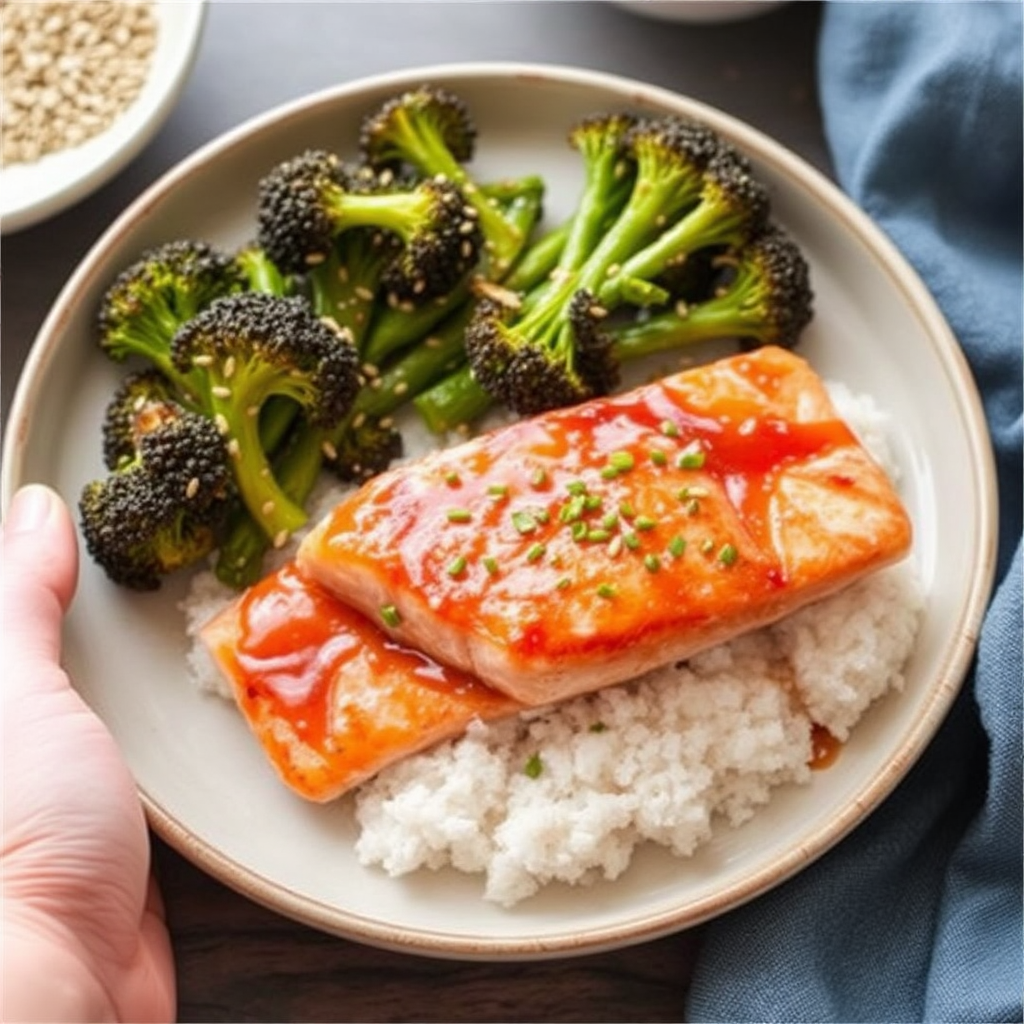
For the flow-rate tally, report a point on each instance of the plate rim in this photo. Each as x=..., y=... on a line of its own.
x=651, y=924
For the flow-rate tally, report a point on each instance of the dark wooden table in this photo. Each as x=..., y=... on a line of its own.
x=238, y=961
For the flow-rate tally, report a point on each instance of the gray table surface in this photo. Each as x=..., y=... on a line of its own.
x=237, y=961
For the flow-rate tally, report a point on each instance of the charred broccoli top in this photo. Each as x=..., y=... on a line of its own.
x=250, y=347
x=150, y=299
x=306, y=202
x=166, y=500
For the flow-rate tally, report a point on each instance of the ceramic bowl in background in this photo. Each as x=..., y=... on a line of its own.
x=31, y=192
x=700, y=11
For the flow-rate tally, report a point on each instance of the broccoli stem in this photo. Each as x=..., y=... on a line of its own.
x=277, y=515
x=396, y=327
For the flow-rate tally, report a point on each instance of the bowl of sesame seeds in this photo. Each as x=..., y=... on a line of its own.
x=86, y=84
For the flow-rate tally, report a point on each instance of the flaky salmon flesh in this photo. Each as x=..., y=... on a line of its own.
x=583, y=547
x=331, y=699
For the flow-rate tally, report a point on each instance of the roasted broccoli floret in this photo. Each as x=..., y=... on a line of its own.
x=767, y=299
x=760, y=295
x=733, y=207
x=164, y=504
x=150, y=299
x=251, y=347
x=430, y=129
x=304, y=203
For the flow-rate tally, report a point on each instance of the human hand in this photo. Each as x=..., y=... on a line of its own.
x=84, y=935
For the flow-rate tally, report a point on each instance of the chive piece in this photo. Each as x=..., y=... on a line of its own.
x=645, y=523
x=576, y=487
x=658, y=457
x=621, y=460
x=533, y=767
x=607, y=591
x=692, y=458
x=692, y=507
x=452, y=478
x=652, y=563
x=626, y=510
x=676, y=546
x=592, y=502
x=564, y=583
x=458, y=515
x=609, y=521
x=497, y=491
x=524, y=522
x=491, y=565
x=579, y=531
x=571, y=510
x=669, y=428
x=599, y=536
x=536, y=553
x=390, y=617
x=598, y=727
x=631, y=540
x=539, y=477
x=728, y=554
x=457, y=566
x=707, y=546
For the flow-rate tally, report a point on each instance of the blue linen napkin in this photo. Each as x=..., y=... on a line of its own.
x=917, y=916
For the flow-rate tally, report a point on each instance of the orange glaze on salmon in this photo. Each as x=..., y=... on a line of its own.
x=583, y=547
x=330, y=697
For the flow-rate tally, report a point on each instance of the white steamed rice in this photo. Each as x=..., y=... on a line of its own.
x=568, y=794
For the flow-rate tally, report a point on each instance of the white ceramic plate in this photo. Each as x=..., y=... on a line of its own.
x=205, y=783
x=29, y=193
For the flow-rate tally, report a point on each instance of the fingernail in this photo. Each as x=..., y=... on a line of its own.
x=30, y=508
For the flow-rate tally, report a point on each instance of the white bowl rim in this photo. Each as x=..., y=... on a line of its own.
x=101, y=158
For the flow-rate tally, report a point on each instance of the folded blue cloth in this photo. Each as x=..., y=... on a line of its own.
x=917, y=916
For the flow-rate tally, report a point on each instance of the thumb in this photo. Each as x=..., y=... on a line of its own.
x=40, y=570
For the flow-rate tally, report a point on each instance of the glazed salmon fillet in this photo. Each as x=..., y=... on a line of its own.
x=581, y=548
x=331, y=699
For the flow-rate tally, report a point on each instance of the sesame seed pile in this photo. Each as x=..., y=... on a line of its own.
x=70, y=69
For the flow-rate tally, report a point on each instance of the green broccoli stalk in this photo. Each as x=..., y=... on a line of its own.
x=431, y=130
x=768, y=301
x=733, y=207
x=250, y=348
x=399, y=325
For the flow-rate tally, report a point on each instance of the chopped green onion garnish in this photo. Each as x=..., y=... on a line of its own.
x=459, y=515
x=658, y=457
x=576, y=487
x=452, y=479
x=524, y=522
x=692, y=458
x=652, y=563
x=598, y=536
x=631, y=540
x=707, y=546
x=497, y=491
x=676, y=547
x=539, y=477
x=645, y=523
x=536, y=553
x=626, y=510
x=579, y=531
x=564, y=583
x=491, y=565
x=598, y=727
x=533, y=767
x=669, y=429
x=607, y=591
x=728, y=554
x=592, y=502
x=457, y=566
x=389, y=615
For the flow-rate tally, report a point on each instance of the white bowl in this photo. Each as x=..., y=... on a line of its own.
x=31, y=192
x=700, y=11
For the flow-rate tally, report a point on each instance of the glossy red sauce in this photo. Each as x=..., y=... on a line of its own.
x=296, y=641
x=825, y=748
